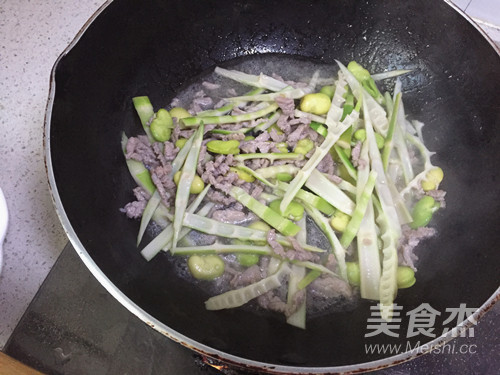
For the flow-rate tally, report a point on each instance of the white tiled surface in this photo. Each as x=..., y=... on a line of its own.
x=32, y=35
x=486, y=13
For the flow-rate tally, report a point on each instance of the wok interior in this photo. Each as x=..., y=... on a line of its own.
x=155, y=47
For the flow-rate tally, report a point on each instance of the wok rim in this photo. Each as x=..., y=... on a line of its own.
x=193, y=344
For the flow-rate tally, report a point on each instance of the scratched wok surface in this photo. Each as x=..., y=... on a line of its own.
x=154, y=48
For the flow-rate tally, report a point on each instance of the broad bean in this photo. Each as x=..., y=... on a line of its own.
x=282, y=146
x=405, y=277
x=328, y=90
x=316, y=103
x=161, y=126
x=179, y=113
x=206, y=267
x=303, y=146
x=422, y=211
x=285, y=177
x=180, y=143
x=259, y=225
x=197, y=185
x=224, y=147
x=339, y=221
x=353, y=273
x=247, y=260
x=294, y=211
x=432, y=179
x=242, y=175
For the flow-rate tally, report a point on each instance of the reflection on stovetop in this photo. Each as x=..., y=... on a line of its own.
x=74, y=326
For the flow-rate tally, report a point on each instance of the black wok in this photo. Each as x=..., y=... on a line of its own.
x=154, y=48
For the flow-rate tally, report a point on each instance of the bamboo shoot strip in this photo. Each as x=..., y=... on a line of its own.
x=310, y=198
x=377, y=113
x=221, y=111
x=269, y=122
x=204, y=211
x=369, y=256
x=142, y=178
x=270, y=97
x=359, y=212
x=298, y=318
x=228, y=132
x=335, y=130
x=228, y=119
x=383, y=191
x=180, y=158
x=214, y=227
x=255, y=174
x=164, y=239
x=386, y=152
x=145, y=110
x=185, y=181
x=337, y=248
x=347, y=163
x=218, y=248
x=155, y=199
x=314, y=118
x=274, y=219
x=238, y=297
x=308, y=279
x=271, y=172
x=272, y=156
x=262, y=80
x=147, y=214
x=228, y=107
x=367, y=240
x=388, y=279
x=138, y=171
x=389, y=74
x=330, y=192
x=304, y=173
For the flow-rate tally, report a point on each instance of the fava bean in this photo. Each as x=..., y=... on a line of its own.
x=224, y=147
x=161, y=126
x=432, y=179
x=328, y=90
x=303, y=146
x=247, y=260
x=317, y=103
x=259, y=225
x=360, y=135
x=242, y=174
x=294, y=211
x=339, y=221
x=206, y=267
x=276, y=129
x=282, y=146
x=285, y=177
x=353, y=273
x=197, y=185
x=380, y=141
x=179, y=113
x=180, y=143
x=405, y=277
x=422, y=212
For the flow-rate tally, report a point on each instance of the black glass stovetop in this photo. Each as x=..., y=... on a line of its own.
x=74, y=326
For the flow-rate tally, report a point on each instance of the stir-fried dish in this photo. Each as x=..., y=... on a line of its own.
x=289, y=194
